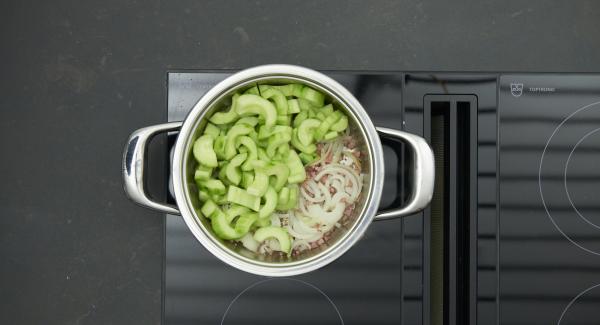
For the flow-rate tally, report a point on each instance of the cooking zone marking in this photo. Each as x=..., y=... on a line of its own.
x=283, y=279
x=565, y=178
x=540, y=179
x=573, y=301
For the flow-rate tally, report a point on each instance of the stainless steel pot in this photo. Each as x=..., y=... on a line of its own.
x=343, y=238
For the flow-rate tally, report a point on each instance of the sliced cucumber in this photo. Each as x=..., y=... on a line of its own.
x=270, y=203
x=306, y=130
x=239, y=196
x=229, y=116
x=203, y=151
x=248, y=104
x=280, y=234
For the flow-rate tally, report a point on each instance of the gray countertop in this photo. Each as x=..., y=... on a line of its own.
x=78, y=77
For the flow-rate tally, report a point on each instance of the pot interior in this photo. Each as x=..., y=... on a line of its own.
x=338, y=235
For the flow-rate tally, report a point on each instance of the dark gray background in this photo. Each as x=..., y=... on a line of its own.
x=79, y=76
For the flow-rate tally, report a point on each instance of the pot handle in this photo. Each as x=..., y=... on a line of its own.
x=134, y=163
x=424, y=169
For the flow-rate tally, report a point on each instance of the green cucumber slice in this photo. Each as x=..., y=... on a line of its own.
x=284, y=120
x=235, y=132
x=259, y=185
x=283, y=198
x=233, y=172
x=247, y=179
x=293, y=106
x=277, y=140
x=297, y=172
x=313, y=96
x=300, y=118
x=270, y=203
x=229, y=116
x=202, y=173
x=327, y=109
x=212, y=129
x=265, y=132
x=306, y=130
x=203, y=195
x=208, y=208
x=248, y=120
x=203, y=151
x=296, y=143
x=280, y=234
x=277, y=96
x=307, y=158
x=296, y=90
x=330, y=135
x=239, y=196
x=248, y=104
x=219, y=146
x=340, y=125
x=280, y=172
x=285, y=89
x=234, y=211
x=324, y=127
x=214, y=186
x=250, y=147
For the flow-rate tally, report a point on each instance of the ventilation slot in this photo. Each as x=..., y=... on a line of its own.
x=450, y=126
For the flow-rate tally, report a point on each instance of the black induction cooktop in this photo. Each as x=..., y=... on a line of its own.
x=512, y=235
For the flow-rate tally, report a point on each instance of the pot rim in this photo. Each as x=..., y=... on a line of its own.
x=334, y=89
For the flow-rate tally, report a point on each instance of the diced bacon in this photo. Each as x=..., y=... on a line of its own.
x=348, y=210
x=349, y=142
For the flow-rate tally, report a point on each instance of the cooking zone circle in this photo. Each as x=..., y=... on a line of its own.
x=583, y=306
x=588, y=197
x=270, y=302
x=569, y=177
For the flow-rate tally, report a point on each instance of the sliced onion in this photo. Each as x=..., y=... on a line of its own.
x=270, y=245
x=312, y=186
x=311, y=192
x=300, y=245
x=337, y=199
x=327, y=217
x=350, y=154
x=306, y=237
x=249, y=242
x=298, y=229
x=275, y=221
x=300, y=226
x=349, y=174
x=303, y=206
x=339, y=187
x=337, y=152
x=316, y=204
x=325, y=192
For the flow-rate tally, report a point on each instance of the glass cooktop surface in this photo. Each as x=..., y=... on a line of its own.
x=549, y=199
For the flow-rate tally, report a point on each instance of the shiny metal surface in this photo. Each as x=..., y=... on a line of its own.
x=209, y=103
x=368, y=141
x=424, y=173
x=134, y=165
